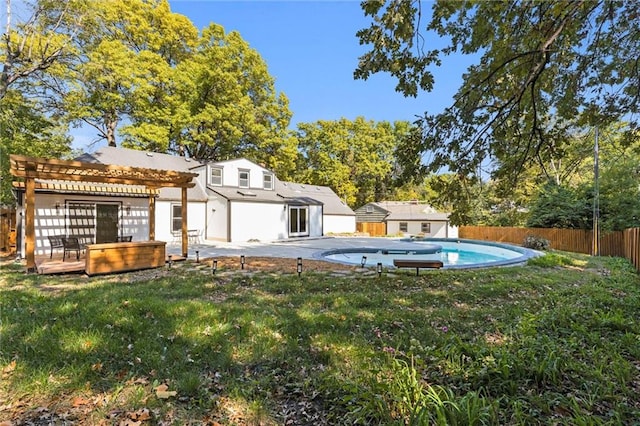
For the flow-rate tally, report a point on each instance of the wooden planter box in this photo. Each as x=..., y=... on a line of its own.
x=118, y=257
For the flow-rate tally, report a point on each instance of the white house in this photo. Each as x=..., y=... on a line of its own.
x=408, y=218
x=235, y=201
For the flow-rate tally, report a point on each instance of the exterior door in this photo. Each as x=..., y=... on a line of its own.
x=107, y=219
x=298, y=221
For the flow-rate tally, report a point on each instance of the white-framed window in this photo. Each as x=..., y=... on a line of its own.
x=369, y=209
x=176, y=217
x=404, y=227
x=425, y=227
x=267, y=181
x=215, y=176
x=243, y=178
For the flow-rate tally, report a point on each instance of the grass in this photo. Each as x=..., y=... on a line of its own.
x=554, y=342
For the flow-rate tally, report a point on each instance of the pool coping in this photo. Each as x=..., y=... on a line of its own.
x=526, y=253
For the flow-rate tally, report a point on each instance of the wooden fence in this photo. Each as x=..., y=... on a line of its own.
x=7, y=230
x=374, y=229
x=618, y=243
x=632, y=246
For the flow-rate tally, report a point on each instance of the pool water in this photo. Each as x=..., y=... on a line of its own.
x=452, y=253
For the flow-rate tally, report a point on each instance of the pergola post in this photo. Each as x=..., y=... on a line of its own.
x=30, y=222
x=152, y=217
x=185, y=241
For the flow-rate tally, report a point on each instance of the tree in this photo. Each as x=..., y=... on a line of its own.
x=619, y=183
x=27, y=130
x=32, y=46
x=559, y=206
x=355, y=158
x=228, y=105
x=544, y=69
x=123, y=70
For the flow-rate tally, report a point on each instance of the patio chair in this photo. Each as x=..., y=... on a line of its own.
x=71, y=244
x=55, y=241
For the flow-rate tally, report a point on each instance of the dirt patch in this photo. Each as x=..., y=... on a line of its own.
x=277, y=264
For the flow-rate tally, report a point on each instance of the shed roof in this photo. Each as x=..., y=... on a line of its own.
x=410, y=211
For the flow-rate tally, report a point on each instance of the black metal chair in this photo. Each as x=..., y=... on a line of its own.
x=71, y=244
x=55, y=241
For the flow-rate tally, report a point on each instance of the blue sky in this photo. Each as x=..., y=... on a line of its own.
x=311, y=50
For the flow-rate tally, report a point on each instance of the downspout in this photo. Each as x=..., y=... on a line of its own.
x=228, y=221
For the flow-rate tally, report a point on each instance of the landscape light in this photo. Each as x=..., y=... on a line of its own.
x=214, y=267
x=299, y=266
x=170, y=261
x=197, y=256
x=242, y=262
x=379, y=269
x=363, y=261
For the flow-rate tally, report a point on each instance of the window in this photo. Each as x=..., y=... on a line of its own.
x=176, y=217
x=403, y=227
x=243, y=178
x=216, y=176
x=369, y=209
x=267, y=181
x=425, y=227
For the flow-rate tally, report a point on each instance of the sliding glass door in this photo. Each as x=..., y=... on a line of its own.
x=298, y=221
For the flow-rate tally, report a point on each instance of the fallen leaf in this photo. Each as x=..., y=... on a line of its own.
x=9, y=368
x=162, y=392
x=78, y=401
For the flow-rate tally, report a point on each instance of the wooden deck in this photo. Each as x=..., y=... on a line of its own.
x=44, y=265
x=70, y=265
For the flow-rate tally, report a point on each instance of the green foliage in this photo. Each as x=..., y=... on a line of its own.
x=550, y=260
x=26, y=130
x=515, y=107
x=124, y=70
x=560, y=207
x=38, y=34
x=355, y=158
x=231, y=109
x=618, y=185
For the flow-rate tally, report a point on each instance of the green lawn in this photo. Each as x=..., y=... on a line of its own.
x=553, y=342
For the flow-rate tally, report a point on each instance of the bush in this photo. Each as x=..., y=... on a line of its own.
x=536, y=243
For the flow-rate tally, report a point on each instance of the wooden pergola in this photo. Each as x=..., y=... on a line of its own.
x=31, y=168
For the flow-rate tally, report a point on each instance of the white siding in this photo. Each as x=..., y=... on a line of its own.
x=195, y=219
x=258, y=221
x=49, y=220
x=339, y=224
x=315, y=221
x=217, y=216
x=438, y=229
x=231, y=169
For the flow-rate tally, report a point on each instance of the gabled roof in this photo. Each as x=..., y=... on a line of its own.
x=135, y=158
x=410, y=210
x=289, y=193
x=284, y=192
x=151, y=160
x=333, y=205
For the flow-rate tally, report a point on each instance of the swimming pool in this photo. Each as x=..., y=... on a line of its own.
x=453, y=253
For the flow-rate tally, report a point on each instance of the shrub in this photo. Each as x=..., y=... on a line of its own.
x=536, y=243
